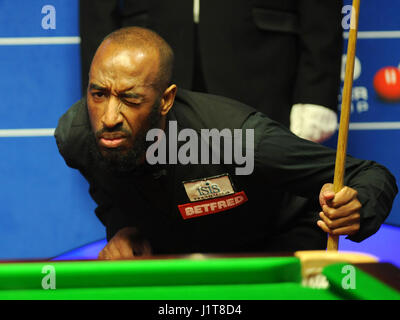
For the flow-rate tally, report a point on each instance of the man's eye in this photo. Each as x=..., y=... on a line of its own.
x=131, y=102
x=98, y=94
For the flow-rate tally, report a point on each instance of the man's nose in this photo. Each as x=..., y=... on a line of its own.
x=112, y=114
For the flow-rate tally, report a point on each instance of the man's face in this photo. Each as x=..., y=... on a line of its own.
x=123, y=103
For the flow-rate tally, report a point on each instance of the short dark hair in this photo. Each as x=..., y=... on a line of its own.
x=146, y=38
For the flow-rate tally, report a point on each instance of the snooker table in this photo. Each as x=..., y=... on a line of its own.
x=194, y=277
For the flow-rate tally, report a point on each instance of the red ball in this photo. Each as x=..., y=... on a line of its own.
x=387, y=83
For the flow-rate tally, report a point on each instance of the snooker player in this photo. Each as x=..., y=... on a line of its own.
x=119, y=134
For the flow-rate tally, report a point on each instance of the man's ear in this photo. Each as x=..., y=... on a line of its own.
x=167, y=99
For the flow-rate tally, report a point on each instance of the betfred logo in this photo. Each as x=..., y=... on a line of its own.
x=202, y=208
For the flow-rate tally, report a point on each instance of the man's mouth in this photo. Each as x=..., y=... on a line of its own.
x=111, y=140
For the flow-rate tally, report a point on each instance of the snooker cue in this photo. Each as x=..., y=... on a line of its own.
x=333, y=240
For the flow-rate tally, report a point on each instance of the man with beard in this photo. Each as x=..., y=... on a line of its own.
x=288, y=52
x=176, y=208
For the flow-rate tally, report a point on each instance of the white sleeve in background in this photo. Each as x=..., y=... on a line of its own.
x=196, y=11
x=313, y=122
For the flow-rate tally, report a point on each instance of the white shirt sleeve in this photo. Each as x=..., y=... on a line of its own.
x=313, y=122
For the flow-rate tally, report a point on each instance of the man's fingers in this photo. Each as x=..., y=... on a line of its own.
x=116, y=250
x=349, y=227
x=125, y=250
x=326, y=194
x=110, y=252
x=343, y=211
x=340, y=211
x=104, y=255
x=344, y=196
x=334, y=200
x=122, y=246
x=349, y=230
x=341, y=222
x=142, y=248
x=323, y=226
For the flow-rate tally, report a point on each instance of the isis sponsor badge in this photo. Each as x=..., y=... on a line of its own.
x=210, y=195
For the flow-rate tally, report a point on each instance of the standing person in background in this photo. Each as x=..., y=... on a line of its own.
x=282, y=57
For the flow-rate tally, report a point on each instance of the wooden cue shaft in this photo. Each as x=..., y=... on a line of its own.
x=333, y=240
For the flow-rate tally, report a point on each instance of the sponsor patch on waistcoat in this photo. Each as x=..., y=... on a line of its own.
x=209, y=188
x=210, y=206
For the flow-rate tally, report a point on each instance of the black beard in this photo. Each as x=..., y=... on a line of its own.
x=119, y=160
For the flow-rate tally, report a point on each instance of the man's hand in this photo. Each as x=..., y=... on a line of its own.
x=313, y=122
x=123, y=246
x=340, y=212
